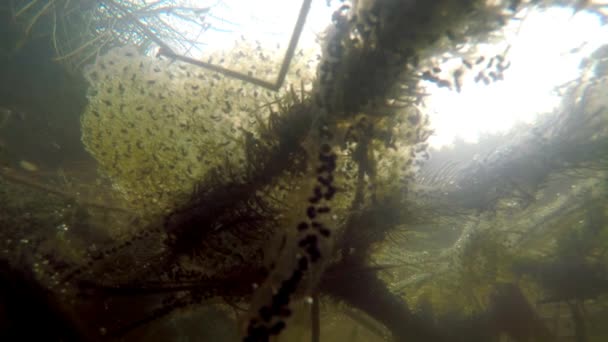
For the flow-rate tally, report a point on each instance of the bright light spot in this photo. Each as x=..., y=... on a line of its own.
x=269, y=22
x=546, y=50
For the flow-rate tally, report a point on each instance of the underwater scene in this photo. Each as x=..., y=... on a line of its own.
x=306, y=171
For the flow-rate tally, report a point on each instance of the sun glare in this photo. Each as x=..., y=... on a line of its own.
x=546, y=50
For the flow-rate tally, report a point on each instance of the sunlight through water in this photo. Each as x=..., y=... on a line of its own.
x=546, y=51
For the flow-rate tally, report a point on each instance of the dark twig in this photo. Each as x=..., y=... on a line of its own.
x=13, y=176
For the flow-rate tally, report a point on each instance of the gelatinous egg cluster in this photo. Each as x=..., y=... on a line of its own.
x=157, y=126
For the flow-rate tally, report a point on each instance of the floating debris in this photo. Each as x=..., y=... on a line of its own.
x=28, y=166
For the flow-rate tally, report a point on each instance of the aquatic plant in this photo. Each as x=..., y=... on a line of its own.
x=175, y=122
x=81, y=30
x=361, y=140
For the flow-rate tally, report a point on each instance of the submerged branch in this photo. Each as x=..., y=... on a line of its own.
x=15, y=177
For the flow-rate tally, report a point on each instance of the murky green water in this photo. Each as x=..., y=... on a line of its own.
x=146, y=198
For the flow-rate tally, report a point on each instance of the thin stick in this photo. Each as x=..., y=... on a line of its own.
x=54, y=35
x=315, y=314
x=221, y=70
x=165, y=51
x=90, y=55
x=25, y=8
x=366, y=322
x=15, y=177
x=82, y=47
x=139, y=24
x=37, y=16
x=293, y=42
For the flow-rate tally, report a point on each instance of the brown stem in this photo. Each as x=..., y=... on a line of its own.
x=315, y=317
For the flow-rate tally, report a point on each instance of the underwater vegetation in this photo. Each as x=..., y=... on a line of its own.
x=78, y=31
x=274, y=214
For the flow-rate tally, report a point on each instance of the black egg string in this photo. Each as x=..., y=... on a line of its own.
x=259, y=328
